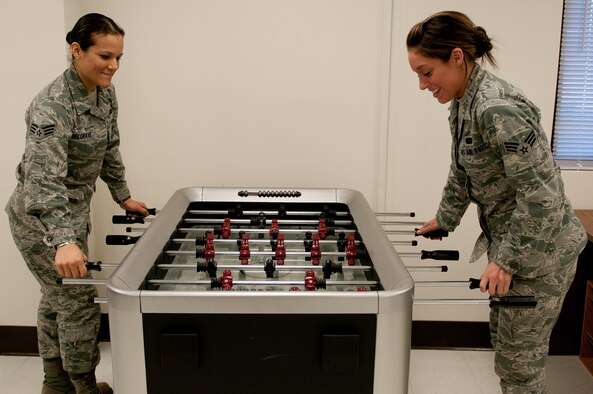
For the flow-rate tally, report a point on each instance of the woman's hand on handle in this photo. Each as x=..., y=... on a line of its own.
x=495, y=280
x=135, y=206
x=429, y=226
x=70, y=261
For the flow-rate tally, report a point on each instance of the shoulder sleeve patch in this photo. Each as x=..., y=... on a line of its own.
x=42, y=132
x=524, y=147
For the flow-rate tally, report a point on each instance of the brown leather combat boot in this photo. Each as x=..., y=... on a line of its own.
x=85, y=383
x=56, y=380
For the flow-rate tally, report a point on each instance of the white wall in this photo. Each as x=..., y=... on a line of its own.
x=33, y=53
x=274, y=93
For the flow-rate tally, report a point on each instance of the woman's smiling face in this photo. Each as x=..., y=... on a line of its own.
x=97, y=65
x=444, y=79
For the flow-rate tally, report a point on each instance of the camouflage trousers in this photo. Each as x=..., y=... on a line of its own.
x=521, y=336
x=67, y=322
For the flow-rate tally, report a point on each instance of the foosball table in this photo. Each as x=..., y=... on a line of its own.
x=261, y=291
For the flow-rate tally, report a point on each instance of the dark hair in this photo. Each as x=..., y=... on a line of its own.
x=91, y=24
x=444, y=31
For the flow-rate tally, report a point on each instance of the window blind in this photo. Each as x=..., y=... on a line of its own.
x=573, y=121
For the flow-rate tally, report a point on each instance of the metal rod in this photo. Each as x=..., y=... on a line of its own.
x=135, y=229
x=80, y=281
x=262, y=282
x=254, y=253
x=280, y=221
x=267, y=213
x=257, y=241
x=444, y=283
x=400, y=223
x=404, y=243
x=400, y=232
x=493, y=301
x=452, y=301
x=258, y=267
x=407, y=214
x=259, y=231
x=100, y=300
x=442, y=268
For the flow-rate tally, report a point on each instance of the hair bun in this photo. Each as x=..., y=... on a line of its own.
x=483, y=42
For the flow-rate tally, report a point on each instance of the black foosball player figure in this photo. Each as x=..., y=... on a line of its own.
x=501, y=161
x=72, y=138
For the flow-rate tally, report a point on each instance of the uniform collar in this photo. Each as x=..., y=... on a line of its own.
x=80, y=95
x=471, y=89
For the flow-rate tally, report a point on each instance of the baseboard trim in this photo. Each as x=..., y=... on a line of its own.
x=450, y=335
x=22, y=340
x=18, y=340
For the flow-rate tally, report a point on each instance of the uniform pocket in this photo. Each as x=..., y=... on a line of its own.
x=79, y=348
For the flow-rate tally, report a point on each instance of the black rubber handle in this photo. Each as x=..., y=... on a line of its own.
x=151, y=211
x=435, y=233
x=440, y=254
x=120, y=240
x=475, y=284
x=125, y=219
x=93, y=266
x=514, y=301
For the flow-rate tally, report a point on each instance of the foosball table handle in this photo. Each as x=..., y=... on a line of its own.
x=151, y=211
x=475, y=284
x=513, y=301
x=127, y=219
x=120, y=240
x=432, y=234
x=93, y=266
x=440, y=254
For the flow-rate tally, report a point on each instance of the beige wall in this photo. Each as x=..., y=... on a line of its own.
x=273, y=93
x=33, y=53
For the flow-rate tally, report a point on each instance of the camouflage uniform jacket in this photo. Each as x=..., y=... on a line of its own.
x=70, y=141
x=501, y=161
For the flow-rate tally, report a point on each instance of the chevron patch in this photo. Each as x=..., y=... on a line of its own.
x=522, y=148
x=41, y=132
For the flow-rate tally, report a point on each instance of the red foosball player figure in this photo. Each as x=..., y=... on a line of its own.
x=310, y=280
x=315, y=250
x=244, y=252
x=226, y=281
x=351, y=250
x=225, y=231
x=322, y=229
x=209, y=247
x=280, y=250
x=274, y=229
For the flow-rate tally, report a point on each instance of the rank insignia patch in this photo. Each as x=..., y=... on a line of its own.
x=522, y=148
x=41, y=132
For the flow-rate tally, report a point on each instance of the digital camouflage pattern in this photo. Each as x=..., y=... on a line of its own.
x=502, y=162
x=70, y=142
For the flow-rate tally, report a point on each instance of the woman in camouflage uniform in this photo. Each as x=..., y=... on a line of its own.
x=72, y=138
x=502, y=162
